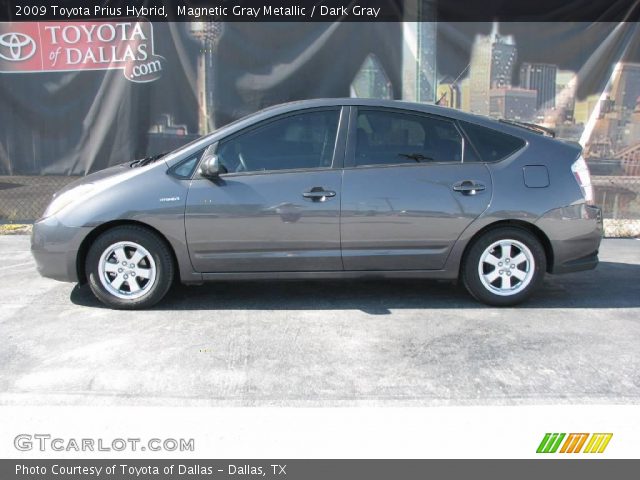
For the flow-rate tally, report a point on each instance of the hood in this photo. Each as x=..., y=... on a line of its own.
x=112, y=175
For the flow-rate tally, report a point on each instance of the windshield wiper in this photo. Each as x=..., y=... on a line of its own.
x=141, y=162
x=418, y=157
x=530, y=126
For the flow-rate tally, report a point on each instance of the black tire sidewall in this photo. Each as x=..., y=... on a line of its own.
x=470, y=275
x=154, y=245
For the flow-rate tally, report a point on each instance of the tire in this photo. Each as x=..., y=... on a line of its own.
x=490, y=273
x=129, y=267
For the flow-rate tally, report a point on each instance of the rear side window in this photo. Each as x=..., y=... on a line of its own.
x=490, y=144
x=386, y=137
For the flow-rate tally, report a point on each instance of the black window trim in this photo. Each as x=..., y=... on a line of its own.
x=338, y=150
x=350, y=157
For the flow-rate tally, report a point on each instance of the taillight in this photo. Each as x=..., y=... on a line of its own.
x=580, y=170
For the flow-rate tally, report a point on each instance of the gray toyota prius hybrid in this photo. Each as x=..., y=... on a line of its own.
x=338, y=188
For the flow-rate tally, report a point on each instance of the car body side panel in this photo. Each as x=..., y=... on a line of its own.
x=577, y=237
x=55, y=248
x=262, y=222
x=575, y=233
x=146, y=195
x=407, y=217
x=151, y=197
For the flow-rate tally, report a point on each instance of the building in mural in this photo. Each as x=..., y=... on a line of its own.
x=630, y=160
x=618, y=114
x=493, y=58
x=166, y=135
x=512, y=103
x=565, y=102
x=540, y=77
x=419, y=53
x=632, y=128
x=371, y=81
x=449, y=94
x=584, y=108
x=625, y=88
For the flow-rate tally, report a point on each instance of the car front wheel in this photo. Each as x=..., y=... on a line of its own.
x=504, y=266
x=129, y=267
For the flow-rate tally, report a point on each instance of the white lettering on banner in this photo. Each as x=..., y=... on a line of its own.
x=106, y=32
x=73, y=46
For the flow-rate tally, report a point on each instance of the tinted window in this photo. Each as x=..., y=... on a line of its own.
x=385, y=137
x=305, y=140
x=490, y=144
x=185, y=168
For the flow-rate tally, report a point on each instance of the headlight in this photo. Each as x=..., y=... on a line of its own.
x=68, y=197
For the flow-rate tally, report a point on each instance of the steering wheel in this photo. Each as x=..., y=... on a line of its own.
x=243, y=165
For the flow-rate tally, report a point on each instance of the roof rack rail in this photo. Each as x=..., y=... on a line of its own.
x=530, y=126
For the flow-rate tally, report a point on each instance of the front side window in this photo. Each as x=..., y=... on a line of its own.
x=304, y=140
x=387, y=137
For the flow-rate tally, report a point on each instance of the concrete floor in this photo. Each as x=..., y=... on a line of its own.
x=322, y=343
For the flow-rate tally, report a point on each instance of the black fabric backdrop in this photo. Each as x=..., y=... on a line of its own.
x=73, y=123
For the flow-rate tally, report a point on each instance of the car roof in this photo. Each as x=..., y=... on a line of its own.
x=370, y=102
x=399, y=104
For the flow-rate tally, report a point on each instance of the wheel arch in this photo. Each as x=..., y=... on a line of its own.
x=529, y=227
x=81, y=257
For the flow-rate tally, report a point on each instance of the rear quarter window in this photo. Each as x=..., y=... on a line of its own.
x=491, y=145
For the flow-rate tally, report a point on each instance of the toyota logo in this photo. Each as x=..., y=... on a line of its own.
x=16, y=47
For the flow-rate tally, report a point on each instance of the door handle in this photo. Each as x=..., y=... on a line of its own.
x=468, y=187
x=318, y=194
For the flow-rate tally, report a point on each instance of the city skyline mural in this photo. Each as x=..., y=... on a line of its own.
x=581, y=80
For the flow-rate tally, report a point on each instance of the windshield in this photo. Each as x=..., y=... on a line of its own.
x=228, y=125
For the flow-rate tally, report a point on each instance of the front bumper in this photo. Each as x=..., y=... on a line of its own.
x=575, y=233
x=55, y=246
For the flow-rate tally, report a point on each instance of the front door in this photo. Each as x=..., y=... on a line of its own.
x=278, y=207
x=407, y=194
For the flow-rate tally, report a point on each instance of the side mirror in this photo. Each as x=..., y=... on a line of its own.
x=211, y=168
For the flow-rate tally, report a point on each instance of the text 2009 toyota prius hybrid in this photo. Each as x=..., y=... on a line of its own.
x=331, y=189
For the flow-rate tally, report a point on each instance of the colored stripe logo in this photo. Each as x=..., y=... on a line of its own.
x=574, y=443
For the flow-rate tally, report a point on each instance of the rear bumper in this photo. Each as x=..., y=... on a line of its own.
x=55, y=246
x=578, y=265
x=575, y=233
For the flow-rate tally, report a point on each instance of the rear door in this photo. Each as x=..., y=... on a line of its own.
x=410, y=187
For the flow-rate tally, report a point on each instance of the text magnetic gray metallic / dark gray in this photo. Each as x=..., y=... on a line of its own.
x=338, y=188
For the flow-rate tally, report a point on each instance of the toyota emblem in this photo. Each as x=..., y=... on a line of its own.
x=16, y=47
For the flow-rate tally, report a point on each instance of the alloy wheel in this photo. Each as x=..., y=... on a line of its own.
x=127, y=270
x=506, y=267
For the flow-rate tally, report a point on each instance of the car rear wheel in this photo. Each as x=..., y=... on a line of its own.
x=504, y=266
x=129, y=267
